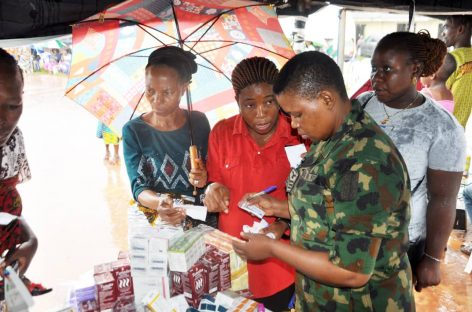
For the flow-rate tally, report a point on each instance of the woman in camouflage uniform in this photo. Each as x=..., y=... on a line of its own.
x=348, y=200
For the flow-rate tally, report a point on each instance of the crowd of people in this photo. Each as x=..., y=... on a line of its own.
x=50, y=60
x=357, y=226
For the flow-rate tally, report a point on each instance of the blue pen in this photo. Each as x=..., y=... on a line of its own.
x=291, y=304
x=266, y=191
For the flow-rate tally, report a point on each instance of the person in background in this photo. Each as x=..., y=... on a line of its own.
x=467, y=195
x=430, y=140
x=18, y=243
x=156, y=144
x=348, y=200
x=109, y=138
x=434, y=87
x=246, y=153
x=457, y=33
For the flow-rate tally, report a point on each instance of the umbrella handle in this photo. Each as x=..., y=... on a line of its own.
x=193, y=156
x=193, y=162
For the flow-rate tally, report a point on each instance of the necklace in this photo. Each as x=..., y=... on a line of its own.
x=387, y=119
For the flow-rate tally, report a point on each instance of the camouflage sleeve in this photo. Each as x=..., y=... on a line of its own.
x=363, y=198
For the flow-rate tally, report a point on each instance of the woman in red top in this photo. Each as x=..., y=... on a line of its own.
x=246, y=154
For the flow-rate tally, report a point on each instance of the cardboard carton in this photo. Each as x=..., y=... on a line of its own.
x=186, y=251
x=106, y=291
x=224, y=266
x=212, y=270
x=195, y=284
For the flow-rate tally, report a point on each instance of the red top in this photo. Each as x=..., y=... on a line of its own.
x=236, y=161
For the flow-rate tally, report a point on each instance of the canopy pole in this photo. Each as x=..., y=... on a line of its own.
x=411, y=16
x=341, y=38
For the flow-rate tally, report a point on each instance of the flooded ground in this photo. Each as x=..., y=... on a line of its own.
x=77, y=205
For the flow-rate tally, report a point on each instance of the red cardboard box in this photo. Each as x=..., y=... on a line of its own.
x=106, y=291
x=177, y=286
x=225, y=269
x=195, y=284
x=113, y=283
x=123, y=280
x=123, y=255
x=102, y=268
x=125, y=304
x=88, y=306
x=212, y=270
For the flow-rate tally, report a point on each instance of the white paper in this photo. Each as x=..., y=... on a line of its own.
x=294, y=153
x=468, y=267
x=252, y=209
x=195, y=212
x=17, y=296
x=6, y=218
x=179, y=303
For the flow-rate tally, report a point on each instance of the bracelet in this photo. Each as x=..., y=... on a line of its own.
x=431, y=257
x=287, y=221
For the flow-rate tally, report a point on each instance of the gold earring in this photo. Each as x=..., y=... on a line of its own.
x=414, y=80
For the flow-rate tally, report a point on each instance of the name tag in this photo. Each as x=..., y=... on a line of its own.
x=307, y=174
x=291, y=180
x=304, y=173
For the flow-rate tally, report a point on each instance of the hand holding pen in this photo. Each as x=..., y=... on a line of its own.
x=269, y=204
x=263, y=192
x=254, y=203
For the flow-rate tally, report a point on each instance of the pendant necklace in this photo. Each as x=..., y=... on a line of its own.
x=387, y=119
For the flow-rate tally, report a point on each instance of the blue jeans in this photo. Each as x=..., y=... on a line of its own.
x=467, y=193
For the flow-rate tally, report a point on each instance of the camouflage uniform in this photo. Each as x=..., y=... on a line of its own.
x=350, y=195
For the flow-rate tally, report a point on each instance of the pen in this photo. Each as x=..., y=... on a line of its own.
x=266, y=191
x=291, y=304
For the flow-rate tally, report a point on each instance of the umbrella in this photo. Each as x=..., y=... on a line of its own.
x=110, y=52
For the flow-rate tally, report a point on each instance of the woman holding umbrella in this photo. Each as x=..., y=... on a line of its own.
x=156, y=144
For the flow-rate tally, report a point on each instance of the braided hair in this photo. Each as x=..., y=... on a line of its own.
x=429, y=52
x=177, y=58
x=251, y=71
x=9, y=64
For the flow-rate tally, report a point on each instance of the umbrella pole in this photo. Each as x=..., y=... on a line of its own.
x=190, y=108
x=193, y=148
x=136, y=107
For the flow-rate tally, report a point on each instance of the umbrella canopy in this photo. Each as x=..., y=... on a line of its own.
x=110, y=51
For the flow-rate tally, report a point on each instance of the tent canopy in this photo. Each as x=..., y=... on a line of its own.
x=423, y=7
x=41, y=18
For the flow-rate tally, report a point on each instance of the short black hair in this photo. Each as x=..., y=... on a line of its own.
x=464, y=20
x=309, y=73
x=9, y=63
x=177, y=58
